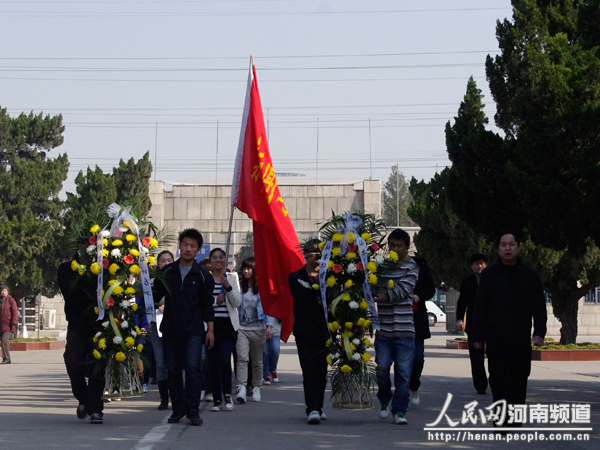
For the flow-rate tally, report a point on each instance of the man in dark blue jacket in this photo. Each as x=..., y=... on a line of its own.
x=510, y=294
x=188, y=304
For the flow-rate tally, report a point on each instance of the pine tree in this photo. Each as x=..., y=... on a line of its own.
x=132, y=182
x=395, y=199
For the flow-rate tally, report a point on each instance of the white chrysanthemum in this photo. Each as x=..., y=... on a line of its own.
x=353, y=305
x=123, y=229
x=332, y=356
x=124, y=304
x=124, y=324
x=337, y=355
x=133, y=333
x=379, y=260
x=91, y=249
x=117, y=340
x=98, y=334
x=104, y=234
x=356, y=341
x=356, y=357
x=351, y=269
x=116, y=253
x=105, y=324
x=146, y=250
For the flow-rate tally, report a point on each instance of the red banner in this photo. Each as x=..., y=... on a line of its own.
x=255, y=192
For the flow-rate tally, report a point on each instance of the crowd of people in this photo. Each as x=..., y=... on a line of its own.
x=206, y=316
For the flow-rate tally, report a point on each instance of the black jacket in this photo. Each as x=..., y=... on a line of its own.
x=79, y=304
x=425, y=289
x=310, y=323
x=507, y=299
x=466, y=300
x=188, y=303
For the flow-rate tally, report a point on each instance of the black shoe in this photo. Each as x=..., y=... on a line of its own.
x=195, y=420
x=97, y=419
x=163, y=390
x=176, y=417
x=164, y=405
x=81, y=412
x=5, y=361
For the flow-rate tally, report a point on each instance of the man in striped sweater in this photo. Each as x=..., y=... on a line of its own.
x=395, y=341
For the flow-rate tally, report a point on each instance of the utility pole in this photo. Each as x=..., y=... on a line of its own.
x=370, y=154
x=317, y=150
x=155, y=151
x=217, y=156
x=397, y=195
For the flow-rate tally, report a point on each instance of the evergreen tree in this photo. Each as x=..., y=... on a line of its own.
x=31, y=224
x=132, y=182
x=395, y=199
x=245, y=251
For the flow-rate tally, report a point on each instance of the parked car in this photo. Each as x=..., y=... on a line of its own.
x=434, y=313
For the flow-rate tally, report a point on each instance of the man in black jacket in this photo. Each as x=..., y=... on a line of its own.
x=466, y=302
x=188, y=304
x=424, y=290
x=310, y=331
x=79, y=311
x=510, y=294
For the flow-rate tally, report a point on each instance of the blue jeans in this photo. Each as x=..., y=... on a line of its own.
x=400, y=352
x=159, y=358
x=184, y=353
x=271, y=355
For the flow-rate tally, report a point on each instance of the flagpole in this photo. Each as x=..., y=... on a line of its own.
x=229, y=234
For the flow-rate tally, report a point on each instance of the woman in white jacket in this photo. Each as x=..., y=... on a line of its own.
x=226, y=323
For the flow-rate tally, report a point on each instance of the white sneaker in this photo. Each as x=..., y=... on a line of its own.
x=216, y=406
x=323, y=416
x=275, y=377
x=384, y=412
x=256, y=394
x=145, y=388
x=400, y=419
x=414, y=398
x=228, y=403
x=202, y=396
x=241, y=394
x=314, y=418
x=209, y=397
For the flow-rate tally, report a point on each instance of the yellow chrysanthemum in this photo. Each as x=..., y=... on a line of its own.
x=350, y=334
x=331, y=281
x=337, y=237
x=95, y=339
x=331, y=327
x=348, y=325
x=366, y=357
x=366, y=341
x=134, y=252
x=352, y=346
x=330, y=265
x=105, y=253
x=118, y=290
x=113, y=268
x=137, y=330
x=371, y=267
x=102, y=343
x=134, y=306
x=335, y=251
x=315, y=287
x=97, y=354
x=364, y=304
x=366, y=237
x=94, y=230
x=351, y=237
x=95, y=268
x=335, y=326
x=394, y=256
x=130, y=290
x=348, y=284
x=126, y=224
x=329, y=360
x=346, y=368
x=372, y=279
x=367, y=323
x=135, y=269
x=153, y=243
x=105, y=242
x=96, y=310
x=120, y=357
x=110, y=282
x=74, y=267
x=129, y=341
x=360, y=322
x=328, y=343
x=117, y=243
x=130, y=238
x=391, y=284
x=140, y=347
x=350, y=256
x=346, y=298
x=321, y=245
x=151, y=260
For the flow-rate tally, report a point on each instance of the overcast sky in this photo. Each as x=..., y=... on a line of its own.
x=115, y=68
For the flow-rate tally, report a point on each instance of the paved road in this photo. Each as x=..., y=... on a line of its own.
x=37, y=410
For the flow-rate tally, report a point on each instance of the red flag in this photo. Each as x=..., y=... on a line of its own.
x=256, y=193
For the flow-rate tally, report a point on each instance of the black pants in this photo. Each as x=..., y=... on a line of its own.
x=477, y=356
x=313, y=362
x=509, y=366
x=81, y=365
